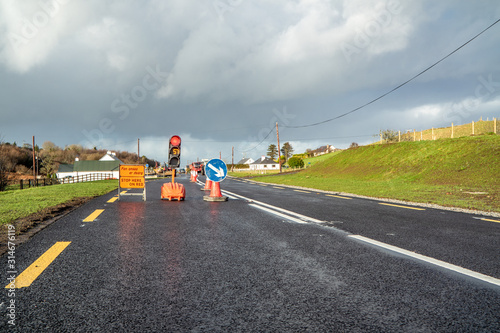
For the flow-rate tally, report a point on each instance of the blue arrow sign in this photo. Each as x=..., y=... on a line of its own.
x=216, y=170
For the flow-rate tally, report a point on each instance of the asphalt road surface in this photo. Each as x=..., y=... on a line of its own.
x=270, y=259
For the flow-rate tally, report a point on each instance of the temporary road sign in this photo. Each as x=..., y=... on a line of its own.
x=132, y=176
x=131, y=170
x=216, y=170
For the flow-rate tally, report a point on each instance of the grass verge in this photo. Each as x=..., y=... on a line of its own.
x=460, y=172
x=17, y=204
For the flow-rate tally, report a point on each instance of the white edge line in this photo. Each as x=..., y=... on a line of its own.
x=277, y=213
x=443, y=264
x=300, y=216
x=223, y=192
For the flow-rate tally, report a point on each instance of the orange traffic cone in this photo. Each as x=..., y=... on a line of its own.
x=208, y=185
x=215, y=193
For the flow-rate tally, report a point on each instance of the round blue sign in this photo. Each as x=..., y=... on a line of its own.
x=216, y=170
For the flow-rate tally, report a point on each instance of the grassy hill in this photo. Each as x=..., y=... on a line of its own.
x=463, y=172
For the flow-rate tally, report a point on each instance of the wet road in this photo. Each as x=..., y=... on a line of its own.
x=245, y=266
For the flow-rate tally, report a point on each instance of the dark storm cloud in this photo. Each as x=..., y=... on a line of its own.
x=222, y=73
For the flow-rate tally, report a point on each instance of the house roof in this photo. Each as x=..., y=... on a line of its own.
x=83, y=166
x=265, y=161
x=244, y=160
x=110, y=157
x=65, y=168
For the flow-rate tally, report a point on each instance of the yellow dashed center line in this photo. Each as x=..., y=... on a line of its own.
x=414, y=208
x=301, y=191
x=337, y=196
x=490, y=220
x=26, y=278
x=94, y=215
x=113, y=199
x=279, y=188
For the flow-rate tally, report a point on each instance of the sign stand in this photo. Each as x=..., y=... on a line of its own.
x=216, y=171
x=132, y=176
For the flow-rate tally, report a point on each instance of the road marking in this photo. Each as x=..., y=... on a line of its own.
x=279, y=188
x=301, y=191
x=414, y=208
x=113, y=199
x=484, y=219
x=262, y=184
x=300, y=216
x=94, y=215
x=430, y=260
x=229, y=196
x=123, y=192
x=26, y=278
x=277, y=213
x=338, y=196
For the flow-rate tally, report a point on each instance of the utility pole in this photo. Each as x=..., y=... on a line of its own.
x=279, y=149
x=232, y=159
x=34, y=169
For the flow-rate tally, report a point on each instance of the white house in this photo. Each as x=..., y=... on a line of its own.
x=264, y=163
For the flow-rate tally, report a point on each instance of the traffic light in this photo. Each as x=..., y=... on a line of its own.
x=174, y=152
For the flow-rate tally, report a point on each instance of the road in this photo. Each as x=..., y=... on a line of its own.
x=269, y=259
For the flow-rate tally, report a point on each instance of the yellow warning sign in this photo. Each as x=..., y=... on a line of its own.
x=132, y=182
x=132, y=171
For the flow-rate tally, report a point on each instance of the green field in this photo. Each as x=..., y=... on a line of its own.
x=463, y=172
x=15, y=204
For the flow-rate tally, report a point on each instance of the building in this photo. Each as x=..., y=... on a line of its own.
x=264, y=163
x=246, y=161
x=108, y=165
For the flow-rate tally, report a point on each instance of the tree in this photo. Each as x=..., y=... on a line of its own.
x=287, y=150
x=296, y=162
x=388, y=135
x=272, y=151
x=353, y=145
x=3, y=171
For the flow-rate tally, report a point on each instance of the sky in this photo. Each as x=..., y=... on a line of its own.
x=222, y=73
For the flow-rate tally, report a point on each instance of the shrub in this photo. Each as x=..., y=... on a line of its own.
x=353, y=145
x=296, y=162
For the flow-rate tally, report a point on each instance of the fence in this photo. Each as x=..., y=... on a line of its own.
x=27, y=183
x=86, y=178
x=37, y=182
x=474, y=128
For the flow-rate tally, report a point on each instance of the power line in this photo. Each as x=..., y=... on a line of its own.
x=399, y=86
x=245, y=151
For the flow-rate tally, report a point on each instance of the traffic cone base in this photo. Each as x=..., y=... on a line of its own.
x=215, y=193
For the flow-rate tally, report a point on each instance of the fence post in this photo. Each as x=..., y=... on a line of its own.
x=432, y=134
x=495, y=125
x=399, y=136
x=414, y=138
x=472, y=128
x=452, y=130
x=20, y=184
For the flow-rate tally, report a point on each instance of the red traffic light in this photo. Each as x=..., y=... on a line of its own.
x=175, y=140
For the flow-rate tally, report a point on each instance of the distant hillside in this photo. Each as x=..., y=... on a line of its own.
x=461, y=172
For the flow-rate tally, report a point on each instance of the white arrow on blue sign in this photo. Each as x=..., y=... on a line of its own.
x=216, y=170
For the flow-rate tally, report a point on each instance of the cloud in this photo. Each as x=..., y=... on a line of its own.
x=33, y=29
x=299, y=55
x=227, y=65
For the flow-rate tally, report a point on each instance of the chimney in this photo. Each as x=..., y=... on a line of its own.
x=262, y=158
